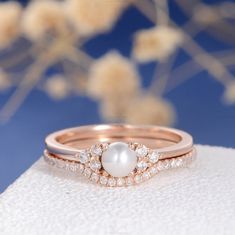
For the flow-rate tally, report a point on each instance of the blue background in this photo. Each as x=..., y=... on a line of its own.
x=198, y=103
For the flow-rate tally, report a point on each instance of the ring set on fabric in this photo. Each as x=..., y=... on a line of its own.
x=119, y=155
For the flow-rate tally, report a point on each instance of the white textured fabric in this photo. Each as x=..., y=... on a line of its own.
x=196, y=200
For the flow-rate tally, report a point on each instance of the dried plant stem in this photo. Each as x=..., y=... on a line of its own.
x=27, y=84
x=161, y=76
x=198, y=54
x=79, y=57
x=190, y=68
x=146, y=8
x=162, y=12
x=15, y=60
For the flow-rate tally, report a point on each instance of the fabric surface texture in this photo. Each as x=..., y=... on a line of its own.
x=196, y=200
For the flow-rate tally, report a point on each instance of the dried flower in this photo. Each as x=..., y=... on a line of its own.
x=10, y=13
x=57, y=87
x=90, y=17
x=156, y=43
x=113, y=76
x=205, y=15
x=229, y=94
x=150, y=110
x=42, y=17
x=4, y=81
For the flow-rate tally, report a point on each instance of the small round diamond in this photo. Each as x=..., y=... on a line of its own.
x=153, y=170
x=160, y=166
x=141, y=151
x=83, y=156
x=94, y=177
x=60, y=163
x=111, y=182
x=103, y=180
x=166, y=164
x=96, y=150
x=129, y=181
x=120, y=181
x=73, y=167
x=146, y=175
x=153, y=157
x=142, y=165
x=173, y=163
x=138, y=178
x=80, y=168
x=87, y=172
x=95, y=165
x=179, y=162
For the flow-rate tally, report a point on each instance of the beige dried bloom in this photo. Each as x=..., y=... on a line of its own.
x=113, y=76
x=57, y=87
x=150, y=110
x=95, y=16
x=4, y=81
x=42, y=17
x=205, y=14
x=156, y=43
x=10, y=13
x=229, y=94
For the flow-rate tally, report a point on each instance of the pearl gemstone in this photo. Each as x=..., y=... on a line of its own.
x=119, y=160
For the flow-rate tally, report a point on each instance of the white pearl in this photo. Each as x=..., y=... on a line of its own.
x=119, y=160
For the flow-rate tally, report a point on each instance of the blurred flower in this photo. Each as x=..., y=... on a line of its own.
x=4, y=81
x=42, y=17
x=90, y=17
x=156, y=43
x=151, y=110
x=113, y=76
x=205, y=14
x=57, y=87
x=229, y=94
x=10, y=13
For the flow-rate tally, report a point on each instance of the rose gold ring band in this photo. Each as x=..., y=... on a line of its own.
x=168, y=141
x=119, y=153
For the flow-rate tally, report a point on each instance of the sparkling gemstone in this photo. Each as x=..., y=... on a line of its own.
x=60, y=164
x=119, y=160
x=95, y=165
x=73, y=167
x=179, y=162
x=153, y=157
x=120, y=181
x=153, y=170
x=83, y=156
x=96, y=150
x=67, y=166
x=111, y=182
x=141, y=151
x=160, y=166
x=94, y=177
x=146, y=175
x=138, y=178
x=81, y=168
x=129, y=181
x=173, y=163
x=142, y=165
x=49, y=160
x=87, y=172
x=166, y=164
x=103, y=180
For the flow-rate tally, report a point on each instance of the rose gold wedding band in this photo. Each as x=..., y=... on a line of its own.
x=119, y=154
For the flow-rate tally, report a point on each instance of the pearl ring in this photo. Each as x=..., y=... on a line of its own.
x=119, y=154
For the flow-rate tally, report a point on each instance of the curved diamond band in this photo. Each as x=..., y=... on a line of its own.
x=119, y=155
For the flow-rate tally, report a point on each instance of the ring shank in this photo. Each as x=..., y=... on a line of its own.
x=168, y=141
